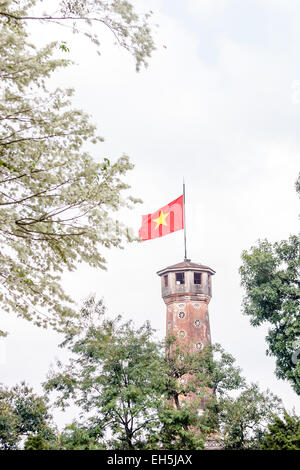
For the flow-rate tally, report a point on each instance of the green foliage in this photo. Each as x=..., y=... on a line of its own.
x=56, y=200
x=270, y=275
x=195, y=380
x=180, y=429
x=73, y=437
x=243, y=420
x=138, y=393
x=283, y=433
x=35, y=442
x=22, y=413
x=212, y=368
x=9, y=436
x=114, y=376
x=78, y=437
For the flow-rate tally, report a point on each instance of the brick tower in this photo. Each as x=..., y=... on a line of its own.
x=186, y=291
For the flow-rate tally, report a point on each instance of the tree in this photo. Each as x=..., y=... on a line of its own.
x=244, y=419
x=135, y=392
x=131, y=31
x=35, y=442
x=136, y=395
x=193, y=381
x=23, y=413
x=78, y=437
x=73, y=437
x=270, y=275
x=8, y=425
x=56, y=200
x=114, y=377
x=283, y=433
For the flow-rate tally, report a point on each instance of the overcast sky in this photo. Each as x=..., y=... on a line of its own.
x=220, y=105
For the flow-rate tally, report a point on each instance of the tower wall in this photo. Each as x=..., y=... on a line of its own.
x=188, y=320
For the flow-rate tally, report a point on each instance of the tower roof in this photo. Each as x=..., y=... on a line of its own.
x=186, y=265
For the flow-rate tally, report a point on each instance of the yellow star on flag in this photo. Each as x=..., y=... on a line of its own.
x=161, y=220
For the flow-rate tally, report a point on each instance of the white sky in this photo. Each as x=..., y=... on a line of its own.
x=221, y=107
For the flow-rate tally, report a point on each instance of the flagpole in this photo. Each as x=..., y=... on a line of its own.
x=184, y=221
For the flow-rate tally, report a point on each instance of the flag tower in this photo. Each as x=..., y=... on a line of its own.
x=186, y=287
x=186, y=290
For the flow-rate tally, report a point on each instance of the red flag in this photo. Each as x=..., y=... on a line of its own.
x=166, y=220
